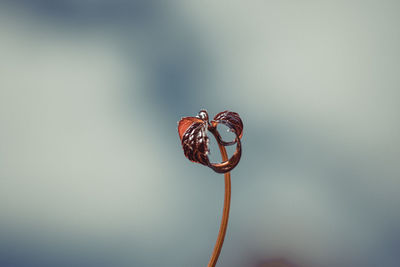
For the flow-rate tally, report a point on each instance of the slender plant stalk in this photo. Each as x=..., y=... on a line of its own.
x=192, y=132
x=225, y=213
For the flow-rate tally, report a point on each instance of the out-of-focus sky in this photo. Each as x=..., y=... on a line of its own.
x=91, y=168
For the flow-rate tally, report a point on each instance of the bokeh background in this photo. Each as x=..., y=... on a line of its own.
x=91, y=168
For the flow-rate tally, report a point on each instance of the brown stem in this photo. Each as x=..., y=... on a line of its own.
x=225, y=213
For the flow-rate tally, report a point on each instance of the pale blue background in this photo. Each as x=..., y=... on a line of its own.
x=91, y=169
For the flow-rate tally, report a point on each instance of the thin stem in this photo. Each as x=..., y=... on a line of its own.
x=225, y=213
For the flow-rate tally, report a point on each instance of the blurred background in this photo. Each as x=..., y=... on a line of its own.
x=92, y=172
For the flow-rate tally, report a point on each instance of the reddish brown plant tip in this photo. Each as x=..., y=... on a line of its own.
x=193, y=134
x=195, y=142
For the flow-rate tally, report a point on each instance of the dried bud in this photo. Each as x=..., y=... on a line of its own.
x=195, y=143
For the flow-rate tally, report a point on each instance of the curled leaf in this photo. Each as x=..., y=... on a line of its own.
x=232, y=120
x=192, y=132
